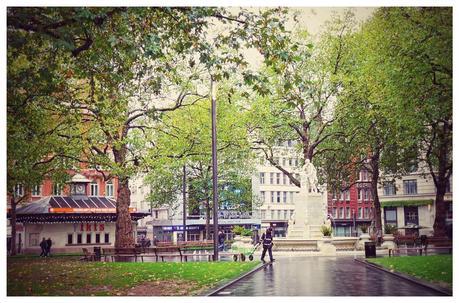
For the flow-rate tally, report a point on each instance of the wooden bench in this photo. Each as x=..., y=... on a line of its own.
x=438, y=243
x=167, y=251
x=393, y=251
x=87, y=255
x=128, y=252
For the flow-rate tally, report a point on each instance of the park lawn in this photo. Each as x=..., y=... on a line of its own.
x=70, y=277
x=437, y=268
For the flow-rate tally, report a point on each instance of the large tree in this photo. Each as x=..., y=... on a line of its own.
x=394, y=100
x=127, y=66
x=297, y=90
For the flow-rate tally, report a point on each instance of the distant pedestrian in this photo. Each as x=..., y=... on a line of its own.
x=221, y=240
x=148, y=242
x=44, y=247
x=155, y=241
x=49, y=243
x=267, y=241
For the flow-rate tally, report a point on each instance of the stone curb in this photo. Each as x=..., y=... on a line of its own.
x=220, y=288
x=412, y=279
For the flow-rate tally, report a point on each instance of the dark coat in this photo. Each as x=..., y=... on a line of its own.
x=49, y=243
x=44, y=244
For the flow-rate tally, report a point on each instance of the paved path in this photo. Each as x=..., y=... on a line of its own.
x=323, y=276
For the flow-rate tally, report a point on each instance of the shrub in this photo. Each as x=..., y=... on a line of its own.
x=237, y=230
x=326, y=230
x=364, y=228
x=246, y=232
x=390, y=229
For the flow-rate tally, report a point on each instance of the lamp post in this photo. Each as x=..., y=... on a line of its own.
x=214, y=166
x=184, y=203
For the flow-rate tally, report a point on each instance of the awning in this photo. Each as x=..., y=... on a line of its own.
x=396, y=203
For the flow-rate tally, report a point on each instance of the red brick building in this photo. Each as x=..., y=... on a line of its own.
x=351, y=208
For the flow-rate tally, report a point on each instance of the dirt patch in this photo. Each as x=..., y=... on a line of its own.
x=163, y=288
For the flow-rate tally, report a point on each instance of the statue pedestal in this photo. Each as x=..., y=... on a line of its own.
x=309, y=216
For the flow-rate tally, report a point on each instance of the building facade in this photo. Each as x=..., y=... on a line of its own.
x=351, y=208
x=274, y=191
x=409, y=201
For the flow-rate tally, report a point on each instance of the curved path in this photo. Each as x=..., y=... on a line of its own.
x=323, y=276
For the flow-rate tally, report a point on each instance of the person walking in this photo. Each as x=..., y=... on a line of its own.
x=48, y=247
x=221, y=240
x=267, y=241
x=44, y=247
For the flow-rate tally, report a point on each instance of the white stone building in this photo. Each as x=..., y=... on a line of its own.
x=274, y=189
x=410, y=201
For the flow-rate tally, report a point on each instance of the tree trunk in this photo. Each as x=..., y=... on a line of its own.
x=124, y=233
x=374, y=189
x=207, y=220
x=13, y=225
x=440, y=213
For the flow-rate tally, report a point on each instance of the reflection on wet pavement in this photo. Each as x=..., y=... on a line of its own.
x=323, y=276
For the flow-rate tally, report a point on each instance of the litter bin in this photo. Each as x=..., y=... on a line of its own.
x=370, y=249
x=97, y=253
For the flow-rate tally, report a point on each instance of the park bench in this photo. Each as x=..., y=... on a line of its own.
x=167, y=251
x=411, y=244
x=88, y=255
x=438, y=243
x=127, y=252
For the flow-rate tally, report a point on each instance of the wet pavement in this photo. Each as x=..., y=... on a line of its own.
x=323, y=276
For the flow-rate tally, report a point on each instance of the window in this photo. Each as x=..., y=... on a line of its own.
x=389, y=188
x=276, y=160
x=34, y=239
x=410, y=187
x=262, y=178
x=448, y=186
x=107, y=238
x=272, y=214
x=109, y=189
x=359, y=195
x=335, y=212
x=449, y=210
x=341, y=212
x=285, y=197
x=334, y=195
x=367, y=194
x=291, y=213
x=279, y=214
x=367, y=212
x=88, y=238
x=390, y=215
x=411, y=215
x=262, y=196
x=69, y=238
x=79, y=238
x=285, y=178
x=94, y=189
x=57, y=189
x=289, y=143
x=278, y=197
x=347, y=194
x=341, y=196
x=97, y=238
x=296, y=161
x=272, y=197
x=291, y=197
x=348, y=212
x=36, y=190
x=19, y=190
x=278, y=178
x=285, y=214
x=363, y=175
x=263, y=214
x=290, y=161
x=359, y=213
x=271, y=178
x=284, y=161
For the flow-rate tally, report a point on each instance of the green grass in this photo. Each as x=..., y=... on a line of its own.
x=437, y=268
x=69, y=276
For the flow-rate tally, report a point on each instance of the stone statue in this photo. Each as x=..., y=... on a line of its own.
x=310, y=176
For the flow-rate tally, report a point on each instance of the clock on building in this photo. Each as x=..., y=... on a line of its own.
x=79, y=189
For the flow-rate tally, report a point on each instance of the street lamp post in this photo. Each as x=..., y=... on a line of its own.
x=184, y=203
x=214, y=166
